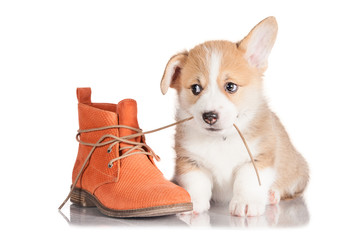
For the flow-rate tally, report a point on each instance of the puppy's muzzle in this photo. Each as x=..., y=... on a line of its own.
x=210, y=117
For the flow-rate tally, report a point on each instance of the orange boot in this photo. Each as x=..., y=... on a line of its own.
x=115, y=170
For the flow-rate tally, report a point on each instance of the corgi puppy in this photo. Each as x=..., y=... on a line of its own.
x=220, y=83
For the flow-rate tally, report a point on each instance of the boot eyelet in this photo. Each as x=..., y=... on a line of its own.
x=110, y=165
x=109, y=150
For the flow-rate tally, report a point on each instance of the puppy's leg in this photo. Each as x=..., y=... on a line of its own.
x=198, y=183
x=250, y=199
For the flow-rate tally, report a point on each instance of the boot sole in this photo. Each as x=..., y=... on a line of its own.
x=83, y=198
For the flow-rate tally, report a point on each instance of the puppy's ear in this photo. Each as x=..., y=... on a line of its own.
x=259, y=42
x=172, y=71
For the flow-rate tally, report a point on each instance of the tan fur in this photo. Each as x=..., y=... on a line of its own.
x=275, y=146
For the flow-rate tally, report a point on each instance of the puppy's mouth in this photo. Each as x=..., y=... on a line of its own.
x=213, y=129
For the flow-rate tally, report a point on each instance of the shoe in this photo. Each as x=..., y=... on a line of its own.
x=115, y=169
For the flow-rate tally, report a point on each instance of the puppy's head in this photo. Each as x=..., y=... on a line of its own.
x=220, y=82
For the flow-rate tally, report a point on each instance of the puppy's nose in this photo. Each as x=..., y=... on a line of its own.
x=210, y=117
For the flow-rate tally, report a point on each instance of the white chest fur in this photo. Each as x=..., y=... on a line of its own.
x=220, y=157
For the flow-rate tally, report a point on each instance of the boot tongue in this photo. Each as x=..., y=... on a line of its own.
x=127, y=114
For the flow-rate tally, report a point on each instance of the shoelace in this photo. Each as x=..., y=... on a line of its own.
x=137, y=146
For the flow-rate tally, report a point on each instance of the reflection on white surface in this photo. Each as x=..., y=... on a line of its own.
x=288, y=213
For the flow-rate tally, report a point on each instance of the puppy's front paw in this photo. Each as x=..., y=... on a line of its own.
x=200, y=205
x=240, y=208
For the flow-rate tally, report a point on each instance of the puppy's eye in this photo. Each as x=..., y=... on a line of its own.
x=231, y=87
x=196, y=89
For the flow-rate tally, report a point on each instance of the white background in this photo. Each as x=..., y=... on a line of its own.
x=120, y=49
